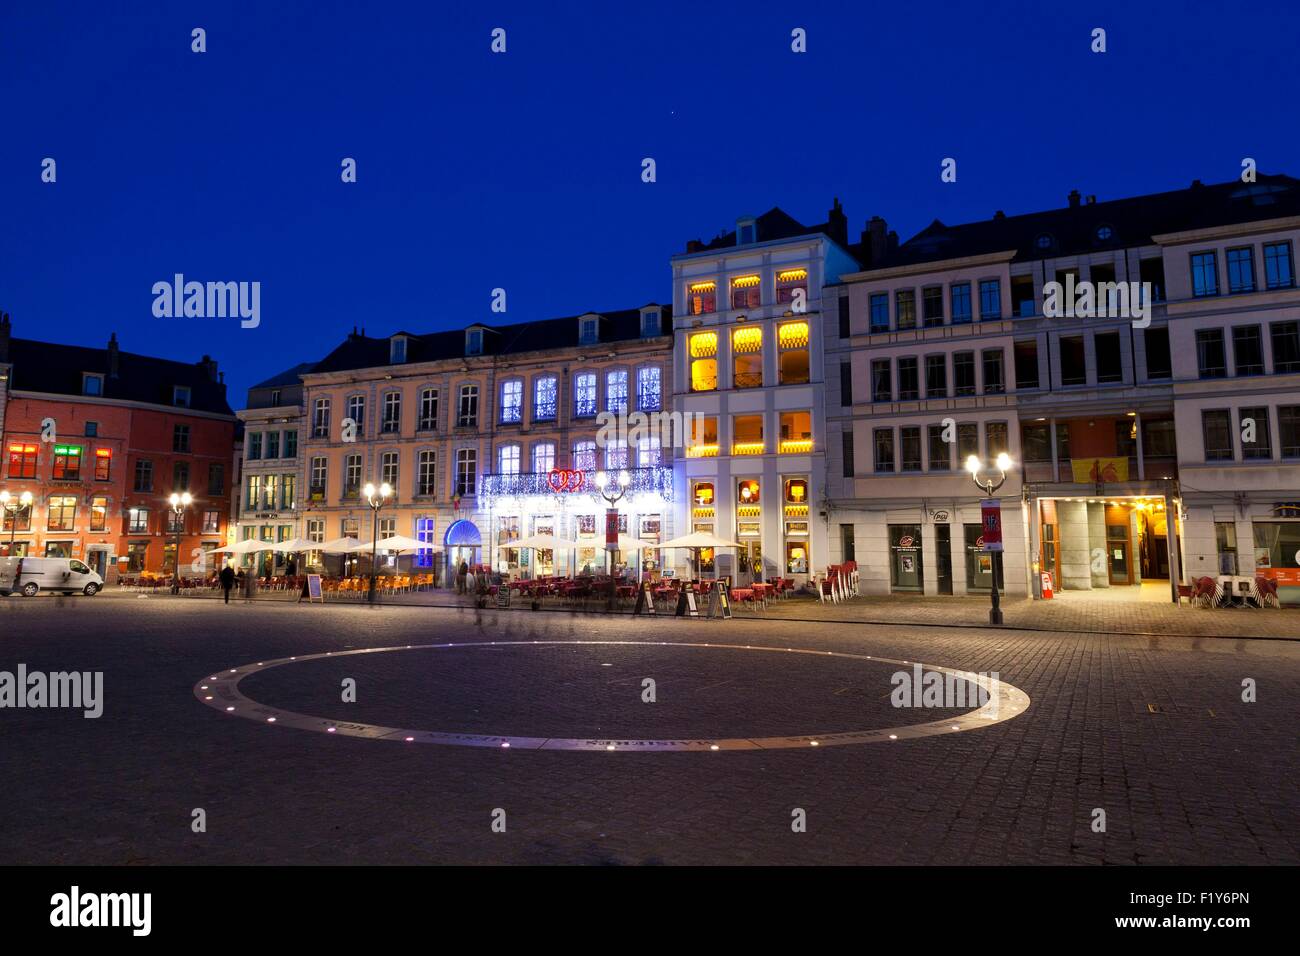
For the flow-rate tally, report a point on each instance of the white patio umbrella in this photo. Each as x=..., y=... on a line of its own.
x=401, y=544
x=295, y=544
x=247, y=546
x=699, y=539
x=542, y=542
x=343, y=546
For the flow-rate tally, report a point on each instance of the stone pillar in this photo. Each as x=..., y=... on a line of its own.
x=1097, y=540
x=1075, y=555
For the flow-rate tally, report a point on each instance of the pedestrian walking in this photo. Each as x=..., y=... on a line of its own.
x=227, y=581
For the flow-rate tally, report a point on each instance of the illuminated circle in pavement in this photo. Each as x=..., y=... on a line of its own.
x=221, y=691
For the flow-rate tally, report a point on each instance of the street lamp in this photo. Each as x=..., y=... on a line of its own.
x=376, y=498
x=179, y=503
x=12, y=506
x=612, y=493
x=989, y=485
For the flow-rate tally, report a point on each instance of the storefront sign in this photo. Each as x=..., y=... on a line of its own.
x=905, y=541
x=939, y=516
x=565, y=480
x=611, y=529
x=991, y=524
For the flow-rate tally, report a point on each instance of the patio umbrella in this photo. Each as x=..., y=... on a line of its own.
x=247, y=546
x=697, y=540
x=343, y=546
x=402, y=544
x=295, y=544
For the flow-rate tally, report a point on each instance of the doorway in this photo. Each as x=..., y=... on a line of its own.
x=943, y=557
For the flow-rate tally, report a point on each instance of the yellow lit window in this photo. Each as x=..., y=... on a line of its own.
x=792, y=361
x=748, y=338
x=704, y=344
x=793, y=335
x=702, y=298
x=704, y=363
x=703, y=440
x=747, y=435
x=747, y=357
x=788, y=282
x=745, y=292
x=796, y=433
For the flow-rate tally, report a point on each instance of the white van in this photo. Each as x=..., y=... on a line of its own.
x=30, y=576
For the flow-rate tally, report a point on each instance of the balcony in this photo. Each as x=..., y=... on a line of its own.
x=501, y=490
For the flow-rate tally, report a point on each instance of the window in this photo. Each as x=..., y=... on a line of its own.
x=994, y=380
x=1279, y=266
x=143, y=475
x=20, y=520
x=512, y=401
x=275, y=396
x=1158, y=360
x=1026, y=352
x=273, y=445
x=428, y=409
x=92, y=384
x=940, y=456
x=1216, y=429
x=103, y=464
x=796, y=433
x=1158, y=438
x=545, y=398
x=388, y=469
x=648, y=451
x=181, y=438
x=963, y=373
x=254, y=446
x=1225, y=540
x=474, y=342
x=396, y=350
x=352, y=476
x=288, y=492
x=181, y=396
x=584, y=456
x=357, y=411
x=584, y=395
x=424, y=532
x=1152, y=272
x=62, y=513
x=968, y=440
x=990, y=299
x=319, y=475
x=936, y=376
x=216, y=479
x=745, y=292
x=790, y=280
x=846, y=384
x=1205, y=274
x=616, y=391
x=932, y=305
x=320, y=418
x=846, y=450
x=792, y=357
x=1036, y=442
x=1247, y=350
x=703, y=440
x=909, y=387
x=180, y=476
x=92, y=429
x=1252, y=426
x=1074, y=365
x=211, y=522
x=466, y=471
x=589, y=330
x=880, y=312
x=616, y=457
x=905, y=308
x=508, y=460
x=1288, y=430
x=1241, y=269
x=701, y=298
x=99, y=513
x=1211, y=356
x=747, y=435
x=650, y=326
x=467, y=407
x=884, y=441
x=67, y=463
x=543, y=457
x=1286, y=346
x=1023, y=305
x=649, y=391
x=882, y=386
x=426, y=473
x=1110, y=365
x=22, y=460
x=138, y=523
x=995, y=439
x=747, y=356
x=909, y=442
x=961, y=307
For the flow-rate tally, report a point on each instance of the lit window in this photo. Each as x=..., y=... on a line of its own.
x=22, y=460
x=103, y=463
x=508, y=460
x=702, y=298
x=616, y=390
x=545, y=390
x=67, y=462
x=703, y=441
x=747, y=356
x=704, y=361
x=790, y=280
x=796, y=433
x=584, y=395
x=745, y=292
x=543, y=457
x=512, y=401
x=747, y=435
x=649, y=393
x=792, y=339
x=428, y=409
x=648, y=451
x=426, y=477
x=584, y=455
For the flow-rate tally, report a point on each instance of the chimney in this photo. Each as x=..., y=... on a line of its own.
x=6, y=327
x=694, y=245
x=891, y=242
x=837, y=224
x=1092, y=200
x=1074, y=199
x=209, y=366
x=999, y=215
x=113, y=363
x=873, y=240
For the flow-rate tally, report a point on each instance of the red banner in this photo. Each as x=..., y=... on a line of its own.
x=991, y=522
x=611, y=529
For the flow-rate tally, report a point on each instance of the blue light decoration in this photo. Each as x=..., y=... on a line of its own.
x=650, y=480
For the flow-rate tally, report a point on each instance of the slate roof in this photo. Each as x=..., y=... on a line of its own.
x=288, y=377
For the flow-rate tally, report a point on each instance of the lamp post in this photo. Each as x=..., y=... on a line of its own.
x=989, y=485
x=179, y=502
x=376, y=498
x=12, y=506
x=613, y=493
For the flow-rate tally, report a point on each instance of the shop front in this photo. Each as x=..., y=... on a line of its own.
x=905, y=571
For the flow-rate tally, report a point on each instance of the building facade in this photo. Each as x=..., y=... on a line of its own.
x=101, y=438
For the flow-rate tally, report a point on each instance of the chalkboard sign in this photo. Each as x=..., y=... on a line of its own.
x=503, y=596
x=314, y=592
x=686, y=603
x=645, y=600
x=719, y=600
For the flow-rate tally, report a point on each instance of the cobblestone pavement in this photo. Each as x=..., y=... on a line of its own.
x=1152, y=730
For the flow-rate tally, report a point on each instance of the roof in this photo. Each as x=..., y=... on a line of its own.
x=1095, y=226
x=288, y=377
x=776, y=224
x=56, y=368
x=359, y=350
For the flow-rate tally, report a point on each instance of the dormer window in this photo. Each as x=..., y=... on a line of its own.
x=474, y=342
x=397, y=350
x=588, y=330
x=650, y=323
x=92, y=384
x=746, y=232
x=181, y=396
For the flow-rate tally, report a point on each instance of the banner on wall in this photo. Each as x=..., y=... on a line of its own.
x=1091, y=470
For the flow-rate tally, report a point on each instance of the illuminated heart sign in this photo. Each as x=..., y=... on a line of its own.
x=565, y=480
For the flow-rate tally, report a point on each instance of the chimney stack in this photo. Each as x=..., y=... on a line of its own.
x=113, y=357
x=694, y=245
x=209, y=366
x=873, y=240
x=1074, y=199
x=837, y=224
x=6, y=328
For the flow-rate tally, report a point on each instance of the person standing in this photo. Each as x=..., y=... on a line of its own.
x=227, y=577
x=462, y=576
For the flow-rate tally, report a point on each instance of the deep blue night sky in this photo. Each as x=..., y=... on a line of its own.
x=522, y=170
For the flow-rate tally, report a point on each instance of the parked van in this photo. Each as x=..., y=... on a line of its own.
x=30, y=576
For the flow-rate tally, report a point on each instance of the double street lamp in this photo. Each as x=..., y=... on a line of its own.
x=376, y=498
x=613, y=493
x=12, y=506
x=988, y=484
x=179, y=502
